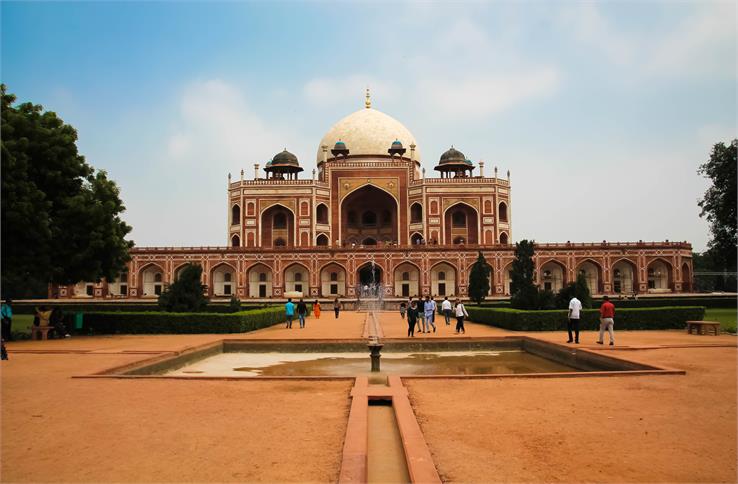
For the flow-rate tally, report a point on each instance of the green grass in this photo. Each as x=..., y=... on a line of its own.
x=22, y=323
x=726, y=317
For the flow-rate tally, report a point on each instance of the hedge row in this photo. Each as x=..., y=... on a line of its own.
x=26, y=308
x=708, y=302
x=180, y=323
x=670, y=317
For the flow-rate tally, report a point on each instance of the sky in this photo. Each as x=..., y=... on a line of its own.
x=602, y=111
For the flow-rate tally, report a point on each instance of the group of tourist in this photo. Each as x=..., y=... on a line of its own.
x=422, y=313
x=607, y=320
x=300, y=309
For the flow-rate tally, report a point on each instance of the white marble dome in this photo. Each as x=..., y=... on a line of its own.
x=368, y=132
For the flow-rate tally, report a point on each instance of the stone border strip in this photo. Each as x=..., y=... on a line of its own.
x=418, y=458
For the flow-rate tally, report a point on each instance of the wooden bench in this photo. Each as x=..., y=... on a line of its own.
x=703, y=327
x=42, y=331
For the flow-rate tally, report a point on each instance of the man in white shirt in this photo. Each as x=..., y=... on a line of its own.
x=446, y=308
x=575, y=308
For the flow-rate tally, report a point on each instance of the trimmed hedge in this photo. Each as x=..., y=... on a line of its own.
x=709, y=302
x=670, y=317
x=180, y=323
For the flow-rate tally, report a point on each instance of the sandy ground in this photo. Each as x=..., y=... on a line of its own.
x=617, y=429
x=59, y=429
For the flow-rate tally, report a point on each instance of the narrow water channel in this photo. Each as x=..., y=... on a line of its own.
x=386, y=457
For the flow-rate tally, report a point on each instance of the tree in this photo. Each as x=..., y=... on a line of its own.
x=524, y=293
x=719, y=206
x=479, y=279
x=187, y=293
x=60, y=218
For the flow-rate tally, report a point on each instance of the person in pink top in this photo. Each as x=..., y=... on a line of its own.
x=607, y=320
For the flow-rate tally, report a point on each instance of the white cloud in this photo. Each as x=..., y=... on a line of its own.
x=486, y=94
x=217, y=125
x=349, y=90
x=698, y=46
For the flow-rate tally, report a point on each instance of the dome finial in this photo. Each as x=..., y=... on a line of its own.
x=368, y=101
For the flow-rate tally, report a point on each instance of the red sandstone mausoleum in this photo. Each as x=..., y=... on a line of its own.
x=370, y=202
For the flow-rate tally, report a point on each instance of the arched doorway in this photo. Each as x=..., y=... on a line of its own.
x=659, y=276
x=224, y=280
x=297, y=279
x=333, y=280
x=152, y=278
x=686, y=278
x=407, y=278
x=277, y=227
x=461, y=225
x=369, y=274
x=260, y=281
x=369, y=214
x=623, y=277
x=443, y=280
x=592, y=274
x=553, y=276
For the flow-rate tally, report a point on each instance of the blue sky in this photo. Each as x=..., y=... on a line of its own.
x=602, y=111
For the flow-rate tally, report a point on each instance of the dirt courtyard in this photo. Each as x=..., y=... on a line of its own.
x=660, y=428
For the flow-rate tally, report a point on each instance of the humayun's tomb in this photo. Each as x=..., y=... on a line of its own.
x=371, y=206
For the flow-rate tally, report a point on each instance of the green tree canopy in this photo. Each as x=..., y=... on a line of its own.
x=479, y=279
x=720, y=206
x=187, y=293
x=60, y=218
x=523, y=289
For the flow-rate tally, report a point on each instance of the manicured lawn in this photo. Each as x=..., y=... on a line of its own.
x=22, y=323
x=727, y=318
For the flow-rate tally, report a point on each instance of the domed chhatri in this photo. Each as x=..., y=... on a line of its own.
x=396, y=148
x=340, y=149
x=454, y=162
x=368, y=132
x=283, y=163
x=285, y=158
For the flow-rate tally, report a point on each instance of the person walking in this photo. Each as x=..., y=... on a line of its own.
x=421, y=315
x=460, y=312
x=575, y=308
x=430, y=310
x=412, y=316
x=7, y=322
x=289, y=311
x=403, y=307
x=336, y=307
x=316, y=309
x=607, y=320
x=302, y=311
x=446, y=308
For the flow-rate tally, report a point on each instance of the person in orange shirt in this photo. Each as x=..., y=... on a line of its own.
x=316, y=309
x=607, y=320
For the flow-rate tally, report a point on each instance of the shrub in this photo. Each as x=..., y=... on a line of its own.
x=180, y=323
x=135, y=307
x=578, y=289
x=234, y=304
x=554, y=320
x=479, y=280
x=186, y=293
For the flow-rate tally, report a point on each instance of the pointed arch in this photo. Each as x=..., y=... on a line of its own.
x=333, y=279
x=236, y=215
x=461, y=229
x=296, y=277
x=259, y=276
x=321, y=240
x=277, y=224
x=624, y=275
x=223, y=277
x=151, y=279
x=592, y=273
x=552, y=275
x=659, y=275
x=444, y=276
x=406, y=279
